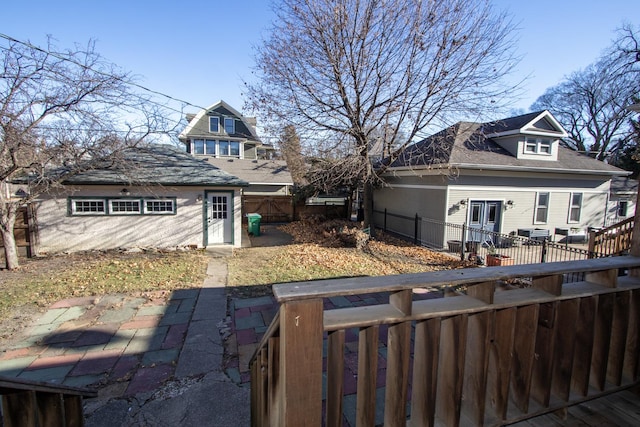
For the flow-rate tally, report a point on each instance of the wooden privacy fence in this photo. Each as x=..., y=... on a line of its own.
x=28, y=403
x=474, y=357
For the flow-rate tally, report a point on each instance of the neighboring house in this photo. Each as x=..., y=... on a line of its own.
x=622, y=199
x=229, y=141
x=504, y=176
x=164, y=199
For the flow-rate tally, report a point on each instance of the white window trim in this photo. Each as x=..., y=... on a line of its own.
x=539, y=143
x=217, y=130
x=76, y=212
x=152, y=212
x=535, y=210
x=571, y=206
x=112, y=212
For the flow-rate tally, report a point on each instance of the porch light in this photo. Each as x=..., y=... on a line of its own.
x=199, y=198
x=463, y=202
x=511, y=204
x=125, y=192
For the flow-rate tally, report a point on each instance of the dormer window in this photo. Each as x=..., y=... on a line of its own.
x=229, y=126
x=214, y=124
x=537, y=146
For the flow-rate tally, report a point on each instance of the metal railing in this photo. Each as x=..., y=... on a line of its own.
x=476, y=244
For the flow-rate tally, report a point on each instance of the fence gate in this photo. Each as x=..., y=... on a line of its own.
x=271, y=208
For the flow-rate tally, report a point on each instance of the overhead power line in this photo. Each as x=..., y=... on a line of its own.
x=86, y=67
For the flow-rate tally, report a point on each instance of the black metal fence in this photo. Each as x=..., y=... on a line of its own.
x=482, y=246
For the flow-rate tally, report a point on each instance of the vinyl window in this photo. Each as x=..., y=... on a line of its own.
x=124, y=206
x=229, y=126
x=542, y=208
x=214, y=124
x=159, y=207
x=575, y=207
x=88, y=207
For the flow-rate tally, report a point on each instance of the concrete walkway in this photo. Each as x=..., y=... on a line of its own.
x=156, y=361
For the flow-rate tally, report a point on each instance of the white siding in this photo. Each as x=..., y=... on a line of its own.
x=59, y=232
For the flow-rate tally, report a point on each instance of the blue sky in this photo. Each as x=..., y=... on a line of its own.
x=200, y=51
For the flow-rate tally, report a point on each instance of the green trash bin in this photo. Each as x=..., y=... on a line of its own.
x=254, y=223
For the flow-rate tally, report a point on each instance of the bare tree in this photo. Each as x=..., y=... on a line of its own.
x=344, y=70
x=61, y=113
x=590, y=103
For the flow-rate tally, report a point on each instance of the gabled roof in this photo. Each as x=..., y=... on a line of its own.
x=468, y=145
x=156, y=164
x=536, y=123
x=273, y=172
x=244, y=129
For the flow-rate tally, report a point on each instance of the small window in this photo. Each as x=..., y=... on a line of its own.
x=198, y=146
x=623, y=206
x=219, y=207
x=537, y=146
x=159, y=207
x=214, y=124
x=124, y=207
x=229, y=125
x=575, y=208
x=542, y=208
x=88, y=207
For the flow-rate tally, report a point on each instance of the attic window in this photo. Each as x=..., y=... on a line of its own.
x=229, y=125
x=214, y=124
x=537, y=146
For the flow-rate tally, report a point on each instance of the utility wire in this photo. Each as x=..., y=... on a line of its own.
x=79, y=64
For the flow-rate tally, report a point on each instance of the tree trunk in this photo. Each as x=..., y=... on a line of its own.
x=7, y=223
x=367, y=206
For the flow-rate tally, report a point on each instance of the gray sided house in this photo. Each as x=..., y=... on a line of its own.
x=228, y=140
x=162, y=198
x=506, y=176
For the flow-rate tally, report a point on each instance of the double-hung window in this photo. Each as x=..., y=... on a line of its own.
x=229, y=125
x=575, y=207
x=542, y=208
x=214, y=124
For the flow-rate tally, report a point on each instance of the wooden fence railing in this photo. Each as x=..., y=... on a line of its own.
x=476, y=356
x=28, y=403
x=612, y=240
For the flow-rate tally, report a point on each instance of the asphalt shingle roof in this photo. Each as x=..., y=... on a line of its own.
x=255, y=171
x=465, y=145
x=157, y=164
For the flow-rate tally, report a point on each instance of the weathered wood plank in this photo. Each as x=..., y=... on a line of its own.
x=398, y=351
x=436, y=279
x=483, y=291
x=601, y=341
x=499, y=364
x=73, y=411
x=273, y=400
x=425, y=372
x=632, y=352
x=300, y=363
x=564, y=345
x=542, y=367
x=367, y=374
x=51, y=409
x=479, y=328
x=619, y=328
x=608, y=278
x=523, y=355
x=335, y=377
x=583, y=346
x=550, y=284
x=453, y=338
x=19, y=409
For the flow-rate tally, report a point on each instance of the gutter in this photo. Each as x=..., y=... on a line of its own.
x=470, y=166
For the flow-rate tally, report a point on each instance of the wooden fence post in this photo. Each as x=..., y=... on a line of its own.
x=301, y=333
x=415, y=230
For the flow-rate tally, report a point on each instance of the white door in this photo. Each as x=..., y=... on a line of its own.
x=219, y=218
